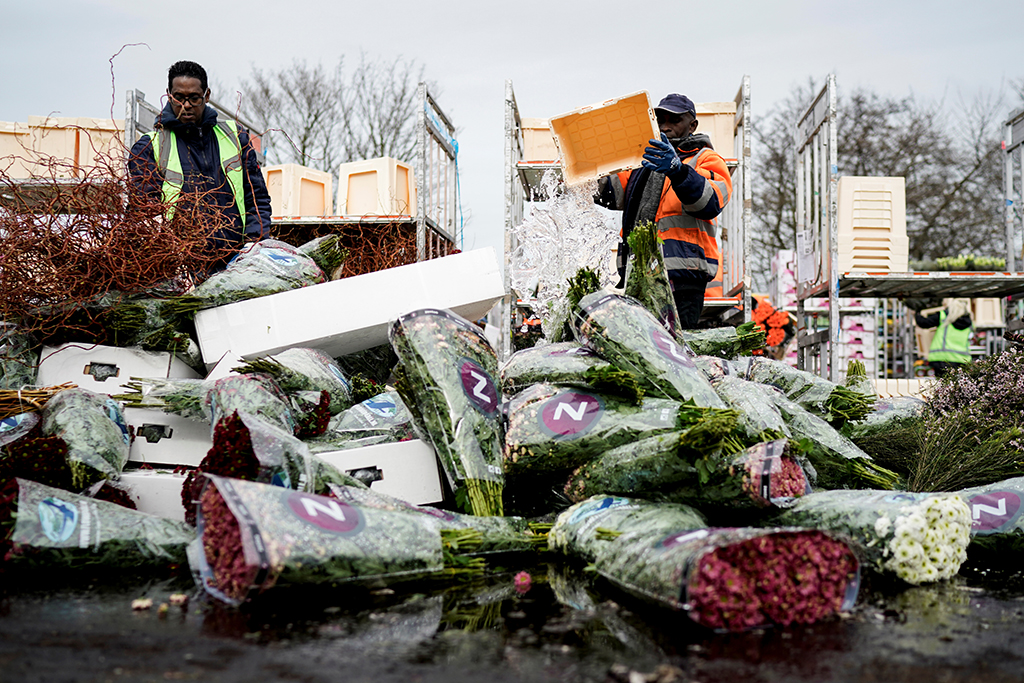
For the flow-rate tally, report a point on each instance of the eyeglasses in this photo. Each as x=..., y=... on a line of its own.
x=669, y=117
x=193, y=99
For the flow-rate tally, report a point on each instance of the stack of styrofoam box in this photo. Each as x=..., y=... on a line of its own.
x=783, y=283
x=916, y=387
x=857, y=342
x=376, y=187
x=987, y=313
x=872, y=225
x=299, y=191
x=604, y=138
x=717, y=120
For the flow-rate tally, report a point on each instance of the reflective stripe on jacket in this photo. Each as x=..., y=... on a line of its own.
x=949, y=344
x=165, y=152
x=688, y=230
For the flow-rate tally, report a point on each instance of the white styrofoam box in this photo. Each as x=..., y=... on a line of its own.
x=165, y=439
x=538, y=142
x=872, y=224
x=376, y=187
x=351, y=314
x=860, y=322
x=157, y=492
x=297, y=190
x=718, y=121
x=860, y=337
x=916, y=387
x=104, y=369
x=987, y=312
x=225, y=366
x=406, y=470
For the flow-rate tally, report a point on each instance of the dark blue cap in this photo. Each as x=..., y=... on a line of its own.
x=677, y=104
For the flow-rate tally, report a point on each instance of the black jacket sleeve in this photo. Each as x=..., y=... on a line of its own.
x=257, y=198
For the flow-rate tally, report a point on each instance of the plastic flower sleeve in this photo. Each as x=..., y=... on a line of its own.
x=380, y=419
x=919, y=537
x=184, y=397
x=94, y=429
x=736, y=579
x=252, y=395
x=256, y=537
x=556, y=429
x=562, y=363
x=888, y=415
x=997, y=524
x=623, y=332
x=724, y=342
x=727, y=579
x=764, y=475
x=261, y=268
x=304, y=369
x=18, y=360
x=448, y=370
x=759, y=418
x=247, y=447
x=836, y=460
x=647, y=278
x=816, y=394
x=44, y=528
x=490, y=534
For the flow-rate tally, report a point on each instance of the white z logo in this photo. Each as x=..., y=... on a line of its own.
x=576, y=414
x=995, y=511
x=477, y=390
x=332, y=509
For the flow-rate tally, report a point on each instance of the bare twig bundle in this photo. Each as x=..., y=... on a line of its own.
x=15, y=401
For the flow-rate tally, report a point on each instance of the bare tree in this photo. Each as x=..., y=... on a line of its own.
x=948, y=156
x=324, y=117
x=304, y=106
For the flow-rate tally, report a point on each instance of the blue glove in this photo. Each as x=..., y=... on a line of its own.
x=661, y=157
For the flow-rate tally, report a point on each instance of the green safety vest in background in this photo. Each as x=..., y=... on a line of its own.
x=165, y=151
x=949, y=344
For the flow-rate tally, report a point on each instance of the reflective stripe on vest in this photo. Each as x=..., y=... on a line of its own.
x=165, y=152
x=949, y=344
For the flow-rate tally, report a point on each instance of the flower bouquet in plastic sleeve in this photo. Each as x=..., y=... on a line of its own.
x=555, y=429
x=256, y=537
x=259, y=269
x=647, y=278
x=446, y=379
x=469, y=534
x=18, y=357
x=623, y=332
x=94, y=430
x=918, y=537
x=304, y=369
x=725, y=342
x=177, y=396
x=257, y=395
x=655, y=468
x=566, y=364
x=380, y=419
x=49, y=529
x=247, y=447
x=836, y=460
x=832, y=402
x=725, y=579
x=759, y=418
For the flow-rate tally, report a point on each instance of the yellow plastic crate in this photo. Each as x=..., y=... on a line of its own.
x=718, y=121
x=296, y=190
x=604, y=138
x=872, y=224
x=988, y=312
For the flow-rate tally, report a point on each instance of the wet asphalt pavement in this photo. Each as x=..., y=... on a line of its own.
x=566, y=627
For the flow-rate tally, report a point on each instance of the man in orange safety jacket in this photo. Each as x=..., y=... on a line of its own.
x=682, y=187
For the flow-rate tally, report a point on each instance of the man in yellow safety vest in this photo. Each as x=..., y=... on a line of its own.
x=192, y=153
x=950, y=347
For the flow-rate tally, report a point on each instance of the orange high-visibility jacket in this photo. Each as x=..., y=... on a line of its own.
x=690, y=203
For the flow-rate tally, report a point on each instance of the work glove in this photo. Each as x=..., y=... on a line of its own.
x=662, y=157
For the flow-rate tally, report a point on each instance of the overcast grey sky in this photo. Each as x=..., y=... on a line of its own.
x=559, y=55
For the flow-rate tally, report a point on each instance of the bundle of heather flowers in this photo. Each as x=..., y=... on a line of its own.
x=974, y=433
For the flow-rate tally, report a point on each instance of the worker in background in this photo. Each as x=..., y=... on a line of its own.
x=950, y=347
x=192, y=153
x=681, y=188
